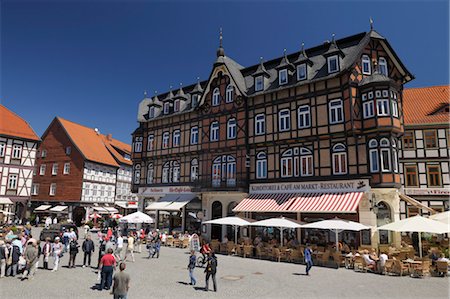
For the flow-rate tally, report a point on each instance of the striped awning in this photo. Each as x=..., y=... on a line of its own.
x=301, y=202
x=266, y=203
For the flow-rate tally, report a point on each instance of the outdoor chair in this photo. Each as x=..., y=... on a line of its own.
x=296, y=256
x=388, y=267
x=248, y=250
x=400, y=268
x=185, y=243
x=230, y=248
x=239, y=250
x=422, y=269
x=261, y=252
x=169, y=242
x=338, y=259
x=442, y=268
x=325, y=258
x=276, y=254
x=215, y=245
x=401, y=256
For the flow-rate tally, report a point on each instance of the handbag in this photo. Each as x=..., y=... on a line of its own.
x=9, y=260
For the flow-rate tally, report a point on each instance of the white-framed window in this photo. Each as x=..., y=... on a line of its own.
x=55, y=169
x=214, y=131
x=385, y=153
x=175, y=172
x=373, y=156
x=94, y=190
x=176, y=105
x=366, y=68
x=2, y=149
x=17, y=151
x=284, y=120
x=339, y=158
x=165, y=140
x=224, y=169
x=231, y=128
x=194, y=170
x=336, y=111
x=261, y=165
x=383, y=107
x=52, y=189
x=68, y=150
x=13, y=181
x=150, y=142
x=138, y=144
x=165, y=173
x=304, y=116
x=282, y=77
x=194, y=100
x=216, y=172
x=151, y=112
x=194, y=135
x=302, y=72
x=35, y=189
x=382, y=66
x=286, y=164
x=66, y=169
x=333, y=64
x=43, y=153
x=259, y=83
x=229, y=95
x=260, y=124
x=176, y=138
x=137, y=174
x=231, y=171
x=306, y=162
x=394, y=108
x=368, y=109
x=216, y=97
x=394, y=155
x=166, y=108
x=42, y=169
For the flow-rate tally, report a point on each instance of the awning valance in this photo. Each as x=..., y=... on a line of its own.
x=5, y=201
x=301, y=202
x=101, y=210
x=171, y=202
x=42, y=208
x=176, y=206
x=123, y=204
x=157, y=206
x=58, y=209
x=111, y=210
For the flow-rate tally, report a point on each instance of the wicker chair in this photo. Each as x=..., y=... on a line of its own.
x=230, y=248
x=400, y=268
x=248, y=250
x=388, y=267
x=423, y=269
x=169, y=241
x=338, y=259
x=325, y=258
x=442, y=268
x=276, y=254
x=261, y=252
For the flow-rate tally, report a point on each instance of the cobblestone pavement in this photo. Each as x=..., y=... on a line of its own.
x=167, y=277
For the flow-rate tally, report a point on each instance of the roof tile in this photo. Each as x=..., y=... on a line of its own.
x=13, y=125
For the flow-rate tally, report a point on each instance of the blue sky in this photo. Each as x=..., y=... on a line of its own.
x=90, y=62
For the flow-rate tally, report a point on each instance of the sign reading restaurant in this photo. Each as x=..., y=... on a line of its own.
x=427, y=191
x=312, y=187
x=165, y=190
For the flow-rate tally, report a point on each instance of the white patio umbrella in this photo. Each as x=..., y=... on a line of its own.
x=234, y=221
x=337, y=225
x=417, y=224
x=442, y=217
x=279, y=223
x=137, y=217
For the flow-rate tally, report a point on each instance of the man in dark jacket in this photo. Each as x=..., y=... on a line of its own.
x=73, y=250
x=88, y=248
x=211, y=269
x=14, y=254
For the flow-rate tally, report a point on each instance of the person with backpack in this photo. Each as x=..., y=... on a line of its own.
x=191, y=267
x=73, y=250
x=211, y=269
x=88, y=248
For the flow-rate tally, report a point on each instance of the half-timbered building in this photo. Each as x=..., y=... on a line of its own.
x=18, y=145
x=312, y=134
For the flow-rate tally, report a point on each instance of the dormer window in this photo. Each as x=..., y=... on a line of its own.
x=282, y=77
x=229, y=94
x=216, y=97
x=382, y=66
x=166, y=108
x=194, y=100
x=366, y=65
x=259, y=83
x=301, y=72
x=333, y=64
x=151, y=112
x=176, y=106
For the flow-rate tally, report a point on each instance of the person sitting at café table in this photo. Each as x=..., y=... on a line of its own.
x=369, y=261
x=257, y=241
x=345, y=248
x=293, y=243
x=225, y=240
x=442, y=258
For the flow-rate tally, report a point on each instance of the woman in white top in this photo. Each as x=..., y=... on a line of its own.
x=130, y=247
x=57, y=251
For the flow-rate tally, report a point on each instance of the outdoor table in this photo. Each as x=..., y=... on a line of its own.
x=412, y=264
x=349, y=263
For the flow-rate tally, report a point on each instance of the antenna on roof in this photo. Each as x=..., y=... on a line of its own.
x=371, y=23
x=97, y=131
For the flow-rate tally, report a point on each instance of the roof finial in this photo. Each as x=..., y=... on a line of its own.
x=145, y=93
x=371, y=23
x=284, y=51
x=303, y=46
x=181, y=84
x=220, y=37
x=332, y=37
x=220, y=50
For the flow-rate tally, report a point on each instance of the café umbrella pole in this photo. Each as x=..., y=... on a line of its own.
x=420, y=244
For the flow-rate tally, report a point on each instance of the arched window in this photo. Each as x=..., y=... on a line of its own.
x=229, y=94
x=224, y=169
x=385, y=155
x=373, y=156
x=214, y=131
x=194, y=170
x=137, y=145
x=382, y=66
x=165, y=172
x=150, y=173
x=137, y=174
x=216, y=172
x=286, y=164
x=339, y=158
x=366, y=65
x=306, y=162
x=216, y=97
x=165, y=140
x=175, y=172
x=231, y=128
x=176, y=138
x=261, y=165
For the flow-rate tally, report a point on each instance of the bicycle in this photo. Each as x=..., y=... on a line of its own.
x=201, y=261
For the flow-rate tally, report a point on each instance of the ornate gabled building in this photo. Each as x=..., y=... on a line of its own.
x=313, y=134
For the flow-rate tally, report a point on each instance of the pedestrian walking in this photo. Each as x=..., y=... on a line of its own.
x=191, y=267
x=121, y=283
x=48, y=222
x=88, y=248
x=55, y=220
x=13, y=259
x=39, y=250
x=156, y=247
x=308, y=260
x=37, y=220
x=46, y=251
x=107, y=266
x=3, y=258
x=66, y=240
x=210, y=270
x=130, y=248
x=119, y=246
x=57, y=250
x=73, y=250
x=31, y=257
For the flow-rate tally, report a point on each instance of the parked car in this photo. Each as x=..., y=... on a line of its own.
x=57, y=230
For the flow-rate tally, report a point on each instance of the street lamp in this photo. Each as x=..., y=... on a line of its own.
x=373, y=204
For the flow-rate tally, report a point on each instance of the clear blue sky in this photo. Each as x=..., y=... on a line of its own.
x=91, y=62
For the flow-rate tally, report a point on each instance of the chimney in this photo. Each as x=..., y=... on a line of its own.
x=109, y=137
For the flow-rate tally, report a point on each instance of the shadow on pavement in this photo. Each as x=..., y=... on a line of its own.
x=300, y=274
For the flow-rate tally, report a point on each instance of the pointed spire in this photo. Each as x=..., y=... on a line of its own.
x=155, y=97
x=180, y=92
x=220, y=50
x=285, y=61
x=371, y=23
x=261, y=68
x=170, y=94
x=333, y=49
x=198, y=88
x=303, y=57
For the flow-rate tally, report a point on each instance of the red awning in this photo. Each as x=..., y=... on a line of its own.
x=266, y=203
x=301, y=202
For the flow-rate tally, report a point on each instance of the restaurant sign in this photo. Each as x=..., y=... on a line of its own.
x=310, y=187
x=427, y=191
x=165, y=190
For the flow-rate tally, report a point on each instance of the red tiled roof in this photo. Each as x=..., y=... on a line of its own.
x=94, y=146
x=420, y=105
x=115, y=147
x=13, y=125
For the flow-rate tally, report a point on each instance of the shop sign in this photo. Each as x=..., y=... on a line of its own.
x=427, y=191
x=195, y=243
x=307, y=187
x=165, y=190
